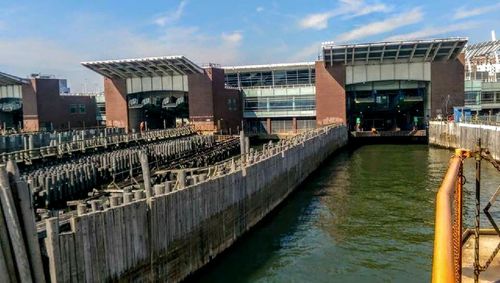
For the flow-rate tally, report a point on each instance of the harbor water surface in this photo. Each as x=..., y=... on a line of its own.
x=367, y=215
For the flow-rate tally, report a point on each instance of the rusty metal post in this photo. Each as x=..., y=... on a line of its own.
x=478, y=209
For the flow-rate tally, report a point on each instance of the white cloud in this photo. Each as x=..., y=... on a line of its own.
x=259, y=9
x=464, y=12
x=232, y=38
x=308, y=53
x=348, y=9
x=433, y=31
x=315, y=21
x=171, y=16
x=413, y=16
x=22, y=56
x=375, y=8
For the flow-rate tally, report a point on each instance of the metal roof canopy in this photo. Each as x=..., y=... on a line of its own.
x=268, y=67
x=144, y=67
x=398, y=51
x=6, y=79
x=482, y=49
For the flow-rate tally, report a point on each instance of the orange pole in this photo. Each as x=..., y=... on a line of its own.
x=443, y=267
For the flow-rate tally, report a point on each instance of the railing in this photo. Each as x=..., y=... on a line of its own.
x=446, y=264
x=449, y=235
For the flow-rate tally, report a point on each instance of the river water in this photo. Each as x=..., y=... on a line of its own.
x=366, y=215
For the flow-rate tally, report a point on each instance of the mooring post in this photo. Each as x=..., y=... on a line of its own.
x=145, y=173
x=181, y=179
x=23, y=196
x=52, y=245
x=14, y=227
x=477, y=266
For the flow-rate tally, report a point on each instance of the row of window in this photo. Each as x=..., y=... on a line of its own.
x=279, y=126
x=482, y=76
x=280, y=103
x=271, y=78
x=478, y=97
x=77, y=108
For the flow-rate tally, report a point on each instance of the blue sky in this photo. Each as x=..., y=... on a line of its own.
x=53, y=37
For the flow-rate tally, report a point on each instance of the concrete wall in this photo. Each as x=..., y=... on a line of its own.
x=419, y=71
x=459, y=135
x=169, y=235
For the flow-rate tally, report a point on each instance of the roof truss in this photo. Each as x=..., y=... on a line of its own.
x=403, y=51
x=144, y=67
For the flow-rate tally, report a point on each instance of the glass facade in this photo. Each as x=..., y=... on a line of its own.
x=271, y=78
x=280, y=103
x=483, y=97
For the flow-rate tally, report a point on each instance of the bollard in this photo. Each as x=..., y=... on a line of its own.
x=159, y=189
x=168, y=187
x=138, y=195
x=247, y=145
x=145, y=173
x=127, y=197
x=181, y=179
x=114, y=201
x=94, y=205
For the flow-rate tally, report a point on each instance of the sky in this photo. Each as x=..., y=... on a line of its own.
x=53, y=37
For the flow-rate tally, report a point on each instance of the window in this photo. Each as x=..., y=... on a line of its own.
x=232, y=80
x=73, y=108
x=279, y=78
x=305, y=103
x=231, y=104
x=291, y=77
x=77, y=108
x=303, y=76
x=267, y=78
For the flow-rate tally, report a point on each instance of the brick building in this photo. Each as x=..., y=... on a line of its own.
x=386, y=85
x=163, y=90
x=36, y=104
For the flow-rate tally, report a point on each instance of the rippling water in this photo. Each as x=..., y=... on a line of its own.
x=365, y=216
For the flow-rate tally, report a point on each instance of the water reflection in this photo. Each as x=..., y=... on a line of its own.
x=366, y=216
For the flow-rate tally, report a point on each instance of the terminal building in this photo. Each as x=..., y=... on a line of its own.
x=482, y=80
x=37, y=103
x=389, y=86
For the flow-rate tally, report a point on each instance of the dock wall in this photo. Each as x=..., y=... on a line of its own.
x=461, y=135
x=169, y=234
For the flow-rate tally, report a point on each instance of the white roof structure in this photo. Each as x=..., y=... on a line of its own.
x=482, y=49
x=400, y=51
x=285, y=66
x=144, y=67
x=6, y=79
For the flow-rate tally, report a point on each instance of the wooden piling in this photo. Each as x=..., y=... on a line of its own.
x=53, y=250
x=26, y=215
x=14, y=228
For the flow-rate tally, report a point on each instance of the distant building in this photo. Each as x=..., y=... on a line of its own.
x=38, y=103
x=277, y=98
x=382, y=85
x=482, y=78
x=100, y=103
